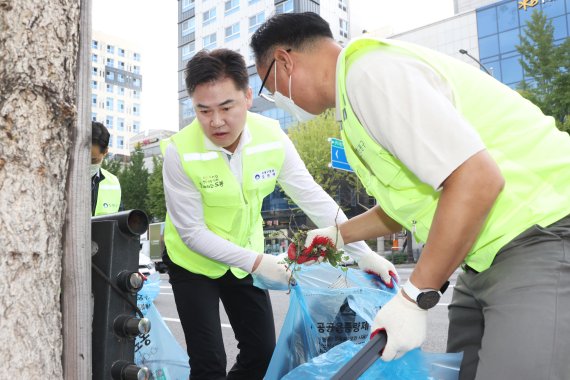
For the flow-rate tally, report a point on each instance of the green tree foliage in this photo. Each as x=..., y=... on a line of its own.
x=134, y=182
x=112, y=166
x=311, y=141
x=155, y=202
x=548, y=66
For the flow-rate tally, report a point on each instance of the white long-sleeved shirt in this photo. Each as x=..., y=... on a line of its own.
x=184, y=203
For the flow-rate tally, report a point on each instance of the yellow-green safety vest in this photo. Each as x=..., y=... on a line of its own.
x=108, y=195
x=232, y=211
x=532, y=154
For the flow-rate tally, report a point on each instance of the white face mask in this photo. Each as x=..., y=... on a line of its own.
x=287, y=104
x=95, y=169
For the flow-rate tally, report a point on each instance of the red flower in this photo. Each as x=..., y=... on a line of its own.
x=292, y=251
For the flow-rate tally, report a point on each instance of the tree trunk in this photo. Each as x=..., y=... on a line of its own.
x=39, y=44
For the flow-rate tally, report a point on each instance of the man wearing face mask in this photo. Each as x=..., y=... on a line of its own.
x=105, y=187
x=476, y=172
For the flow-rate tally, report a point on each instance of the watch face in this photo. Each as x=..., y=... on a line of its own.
x=429, y=299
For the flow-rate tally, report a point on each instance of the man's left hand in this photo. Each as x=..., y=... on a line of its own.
x=379, y=266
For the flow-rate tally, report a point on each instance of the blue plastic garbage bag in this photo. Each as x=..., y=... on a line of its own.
x=329, y=318
x=415, y=365
x=158, y=350
x=327, y=307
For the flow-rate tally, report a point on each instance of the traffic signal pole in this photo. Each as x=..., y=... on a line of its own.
x=115, y=282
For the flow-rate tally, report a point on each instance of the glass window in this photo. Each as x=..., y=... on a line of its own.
x=559, y=24
x=188, y=50
x=187, y=109
x=121, y=52
x=255, y=21
x=94, y=44
x=494, y=66
x=120, y=124
x=188, y=26
x=94, y=100
x=94, y=71
x=136, y=94
x=488, y=46
x=120, y=77
x=110, y=75
x=110, y=49
x=209, y=16
x=508, y=40
x=231, y=6
x=136, y=56
x=284, y=7
x=507, y=16
x=121, y=65
x=342, y=4
x=136, y=127
x=121, y=105
x=93, y=116
x=487, y=21
x=136, y=69
x=94, y=58
x=511, y=70
x=120, y=142
x=110, y=62
x=187, y=5
x=109, y=88
x=232, y=32
x=250, y=2
x=255, y=84
x=121, y=91
x=136, y=82
x=209, y=41
x=343, y=28
x=109, y=104
x=109, y=122
x=553, y=8
x=94, y=84
x=136, y=109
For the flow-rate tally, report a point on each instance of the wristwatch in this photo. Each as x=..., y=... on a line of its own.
x=425, y=298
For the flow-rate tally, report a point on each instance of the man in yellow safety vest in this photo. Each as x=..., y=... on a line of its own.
x=105, y=187
x=474, y=170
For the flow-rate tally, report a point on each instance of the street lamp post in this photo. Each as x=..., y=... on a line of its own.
x=465, y=52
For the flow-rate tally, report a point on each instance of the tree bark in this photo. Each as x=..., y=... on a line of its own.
x=39, y=43
x=76, y=280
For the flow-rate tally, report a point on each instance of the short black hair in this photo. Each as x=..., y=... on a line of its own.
x=100, y=135
x=210, y=66
x=292, y=30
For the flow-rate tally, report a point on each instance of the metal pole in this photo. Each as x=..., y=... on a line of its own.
x=464, y=52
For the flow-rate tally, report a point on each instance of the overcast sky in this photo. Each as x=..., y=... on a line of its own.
x=152, y=25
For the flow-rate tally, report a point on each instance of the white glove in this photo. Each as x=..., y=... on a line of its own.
x=379, y=266
x=330, y=232
x=405, y=325
x=273, y=270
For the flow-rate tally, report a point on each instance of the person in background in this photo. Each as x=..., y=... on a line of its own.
x=473, y=169
x=105, y=187
x=216, y=172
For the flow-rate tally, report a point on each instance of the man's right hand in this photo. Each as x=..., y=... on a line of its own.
x=272, y=269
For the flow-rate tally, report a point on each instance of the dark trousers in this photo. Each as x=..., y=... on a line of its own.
x=251, y=317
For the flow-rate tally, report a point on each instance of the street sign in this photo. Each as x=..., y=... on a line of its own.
x=338, y=156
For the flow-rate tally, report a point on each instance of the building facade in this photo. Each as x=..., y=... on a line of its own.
x=116, y=86
x=489, y=32
x=211, y=24
x=149, y=142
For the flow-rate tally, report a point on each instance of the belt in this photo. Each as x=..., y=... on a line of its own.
x=467, y=268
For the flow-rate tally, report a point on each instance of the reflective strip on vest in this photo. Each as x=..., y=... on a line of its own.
x=528, y=148
x=232, y=211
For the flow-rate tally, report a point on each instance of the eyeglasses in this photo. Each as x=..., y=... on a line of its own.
x=268, y=97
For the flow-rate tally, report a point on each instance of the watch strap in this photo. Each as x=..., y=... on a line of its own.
x=413, y=292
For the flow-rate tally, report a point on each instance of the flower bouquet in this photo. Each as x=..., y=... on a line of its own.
x=322, y=249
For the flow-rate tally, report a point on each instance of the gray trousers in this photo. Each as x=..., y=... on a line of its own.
x=512, y=321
